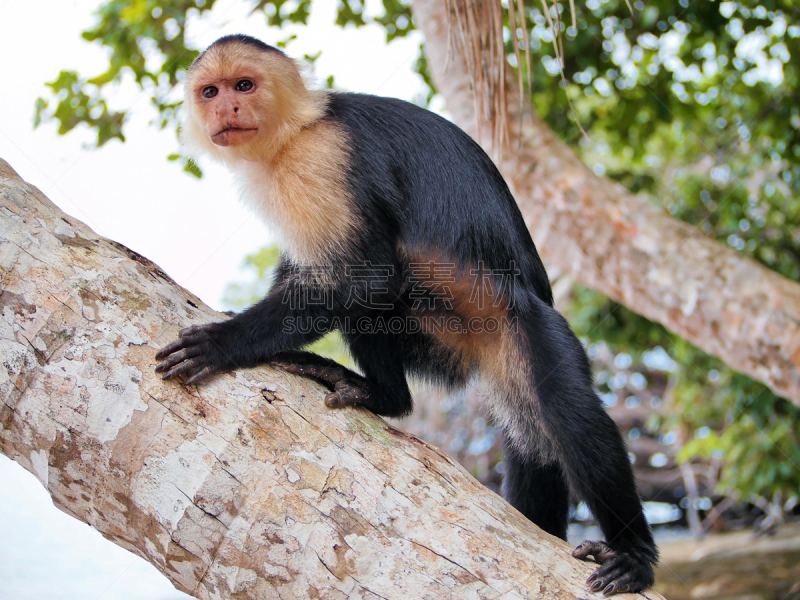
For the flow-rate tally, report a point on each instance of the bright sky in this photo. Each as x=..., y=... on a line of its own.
x=195, y=230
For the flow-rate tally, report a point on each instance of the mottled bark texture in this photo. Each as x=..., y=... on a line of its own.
x=247, y=487
x=613, y=242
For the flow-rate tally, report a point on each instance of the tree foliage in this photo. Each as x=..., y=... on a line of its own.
x=147, y=42
x=694, y=105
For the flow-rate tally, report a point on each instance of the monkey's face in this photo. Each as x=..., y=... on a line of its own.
x=243, y=103
x=230, y=104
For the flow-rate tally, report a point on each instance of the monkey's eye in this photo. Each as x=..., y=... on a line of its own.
x=209, y=91
x=244, y=85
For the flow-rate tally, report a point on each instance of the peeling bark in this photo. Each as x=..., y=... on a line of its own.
x=247, y=487
x=614, y=242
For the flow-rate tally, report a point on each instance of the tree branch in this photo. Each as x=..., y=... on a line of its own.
x=248, y=486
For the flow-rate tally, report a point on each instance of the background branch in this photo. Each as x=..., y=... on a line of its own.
x=614, y=242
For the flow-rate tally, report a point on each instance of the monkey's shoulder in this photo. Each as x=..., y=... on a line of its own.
x=315, y=160
x=393, y=122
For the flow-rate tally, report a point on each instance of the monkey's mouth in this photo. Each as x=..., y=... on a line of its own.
x=233, y=135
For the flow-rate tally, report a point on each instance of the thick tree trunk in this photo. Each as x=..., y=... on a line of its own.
x=611, y=241
x=246, y=487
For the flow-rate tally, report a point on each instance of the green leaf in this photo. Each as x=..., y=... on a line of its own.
x=191, y=167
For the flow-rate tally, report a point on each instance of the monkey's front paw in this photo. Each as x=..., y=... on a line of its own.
x=195, y=355
x=618, y=571
x=347, y=387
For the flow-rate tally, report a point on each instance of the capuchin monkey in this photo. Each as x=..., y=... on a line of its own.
x=398, y=231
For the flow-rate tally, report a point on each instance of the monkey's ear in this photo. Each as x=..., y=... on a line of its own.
x=310, y=81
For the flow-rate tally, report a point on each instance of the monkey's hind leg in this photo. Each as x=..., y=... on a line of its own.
x=539, y=491
x=559, y=427
x=347, y=388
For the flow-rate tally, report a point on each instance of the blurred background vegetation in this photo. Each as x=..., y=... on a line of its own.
x=694, y=105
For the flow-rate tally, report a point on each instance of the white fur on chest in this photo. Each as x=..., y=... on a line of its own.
x=303, y=220
x=259, y=192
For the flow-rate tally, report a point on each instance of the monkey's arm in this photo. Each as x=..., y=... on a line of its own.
x=251, y=337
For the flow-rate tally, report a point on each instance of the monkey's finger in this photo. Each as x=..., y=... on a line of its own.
x=177, y=357
x=187, y=367
x=191, y=330
x=346, y=394
x=616, y=588
x=624, y=583
x=333, y=400
x=329, y=375
x=339, y=400
x=199, y=376
x=597, y=585
x=599, y=550
x=351, y=390
x=188, y=336
x=293, y=368
x=610, y=589
x=606, y=578
x=179, y=344
x=612, y=565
